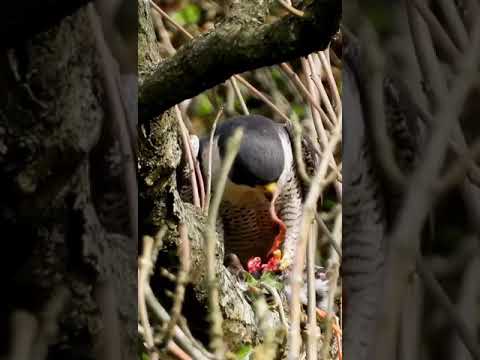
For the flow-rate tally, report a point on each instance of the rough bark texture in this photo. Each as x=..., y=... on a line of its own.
x=239, y=44
x=66, y=230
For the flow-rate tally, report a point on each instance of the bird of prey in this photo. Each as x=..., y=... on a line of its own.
x=261, y=210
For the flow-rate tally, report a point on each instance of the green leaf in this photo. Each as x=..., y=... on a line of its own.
x=191, y=14
x=250, y=280
x=204, y=107
x=244, y=352
x=328, y=204
x=299, y=110
x=271, y=279
x=178, y=17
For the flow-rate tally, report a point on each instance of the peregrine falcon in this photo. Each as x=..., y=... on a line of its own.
x=261, y=208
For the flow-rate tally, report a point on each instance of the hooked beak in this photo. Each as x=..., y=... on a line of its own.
x=269, y=190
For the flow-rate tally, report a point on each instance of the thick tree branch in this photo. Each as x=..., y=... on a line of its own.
x=233, y=48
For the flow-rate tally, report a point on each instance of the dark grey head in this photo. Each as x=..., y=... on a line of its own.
x=261, y=159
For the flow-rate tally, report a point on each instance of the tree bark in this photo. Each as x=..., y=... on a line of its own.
x=67, y=241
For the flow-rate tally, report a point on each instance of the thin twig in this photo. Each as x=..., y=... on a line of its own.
x=239, y=95
x=291, y=9
x=187, y=149
x=455, y=23
x=332, y=119
x=48, y=330
x=329, y=236
x=262, y=97
x=215, y=315
x=171, y=20
x=317, y=122
x=325, y=61
x=24, y=328
x=180, y=337
x=237, y=77
x=297, y=150
x=175, y=350
x=334, y=266
x=144, y=270
x=110, y=338
x=301, y=87
x=313, y=332
x=439, y=35
x=182, y=280
x=209, y=166
x=419, y=199
x=432, y=285
x=456, y=174
x=119, y=121
x=309, y=210
x=278, y=304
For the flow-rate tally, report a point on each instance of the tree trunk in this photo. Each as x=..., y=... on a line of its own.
x=62, y=204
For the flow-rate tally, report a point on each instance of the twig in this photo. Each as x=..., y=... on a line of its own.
x=291, y=9
x=323, y=93
x=24, y=328
x=182, y=280
x=187, y=149
x=262, y=97
x=334, y=266
x=119, y=122
x=162, y=31
x=319, y=118
x=215, y=314
x=268, y=348
x=278, y=304
x=439, y=35
x=469, y=338
x=209, y=166
x=171, y=20
x=326, y=232
x=374, y=91
x=297, y=149
x=110, y=340
x=325, y=61
x=237, y=77
x=309, y=210
x=456, y=174
x=239, y=95
x=301, y=87
x=404, y=238
x=317, y=122
x=426, y=57
x=455, y=23
x=180, y=337
x=175, y=350
x=410, y=342
x=467, y=306
x=144, y=270
x=48, y=330
x=313, y=332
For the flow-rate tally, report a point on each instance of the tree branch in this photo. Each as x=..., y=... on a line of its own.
x=233, y=48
